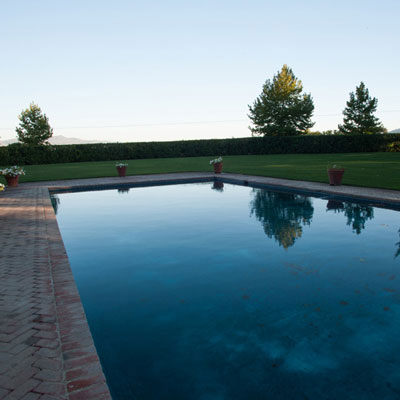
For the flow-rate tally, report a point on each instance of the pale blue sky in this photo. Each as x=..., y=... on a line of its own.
x=164, y=70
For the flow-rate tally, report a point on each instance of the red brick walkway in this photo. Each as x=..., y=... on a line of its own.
x=46, y=349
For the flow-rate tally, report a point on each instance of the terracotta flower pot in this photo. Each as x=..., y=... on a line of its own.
x=218, y=167
x=121, y=171
x=12, y=180
x=335, y=176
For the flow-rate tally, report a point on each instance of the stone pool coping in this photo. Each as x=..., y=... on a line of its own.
x=46, y=348
x=313, y=188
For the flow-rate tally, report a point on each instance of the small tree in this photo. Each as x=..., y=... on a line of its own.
x=34, y=127
x=282, y=109
x=358, y=115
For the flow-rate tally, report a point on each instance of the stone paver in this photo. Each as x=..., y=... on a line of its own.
x=379, y=195
x=40, y=306
x=389, y=196
x=46, y=349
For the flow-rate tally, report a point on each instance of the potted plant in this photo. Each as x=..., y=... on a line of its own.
x=12, y=174
x=121, y=169
x=217, y=164
x=335, y=173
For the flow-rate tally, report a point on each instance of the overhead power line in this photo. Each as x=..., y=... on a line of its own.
x=180, y=123
x=156, y=124
x=149, y=124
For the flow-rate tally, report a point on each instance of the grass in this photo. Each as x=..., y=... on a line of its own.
x=379, y=170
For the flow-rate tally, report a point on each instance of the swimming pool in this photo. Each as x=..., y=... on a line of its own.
x=218, y=291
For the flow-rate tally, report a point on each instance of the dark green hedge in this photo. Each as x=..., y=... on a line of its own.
x=22, y=154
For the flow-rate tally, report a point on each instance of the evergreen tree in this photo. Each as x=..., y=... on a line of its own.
x=358, y=115
x=34, y=127
x=282, y=109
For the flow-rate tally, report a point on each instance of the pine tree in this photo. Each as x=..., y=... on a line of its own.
x=34, y=128
x=358, y=115
x=282, y=109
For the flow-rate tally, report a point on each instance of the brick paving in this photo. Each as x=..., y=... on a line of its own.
x=46, y=348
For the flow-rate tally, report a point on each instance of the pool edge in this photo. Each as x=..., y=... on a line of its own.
x=84, y=375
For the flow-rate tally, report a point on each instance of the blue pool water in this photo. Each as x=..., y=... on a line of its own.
x=200, y=292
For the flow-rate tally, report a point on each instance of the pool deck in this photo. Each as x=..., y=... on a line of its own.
x=46, y=348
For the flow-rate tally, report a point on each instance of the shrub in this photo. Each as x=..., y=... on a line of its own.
x=393, y=147
x=22, y=154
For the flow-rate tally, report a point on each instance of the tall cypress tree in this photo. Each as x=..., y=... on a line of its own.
x=359, y=114
x=282, y=109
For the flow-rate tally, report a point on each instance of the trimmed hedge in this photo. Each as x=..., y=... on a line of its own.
x=26, y=155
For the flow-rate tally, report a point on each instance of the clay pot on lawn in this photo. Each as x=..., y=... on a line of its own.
x=335, y=176
x=218, y=167
x=12, y=180
x=121, y=171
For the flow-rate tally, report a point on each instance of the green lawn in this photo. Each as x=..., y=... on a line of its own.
x=381, y=170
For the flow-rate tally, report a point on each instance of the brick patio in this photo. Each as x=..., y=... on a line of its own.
x=46, y=348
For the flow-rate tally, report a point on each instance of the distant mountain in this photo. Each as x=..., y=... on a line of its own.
x=395, y=131
x=66, y=140
x=58, y=139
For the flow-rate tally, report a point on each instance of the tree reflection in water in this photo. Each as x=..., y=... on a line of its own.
x=357, y=214
x=282, y=214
